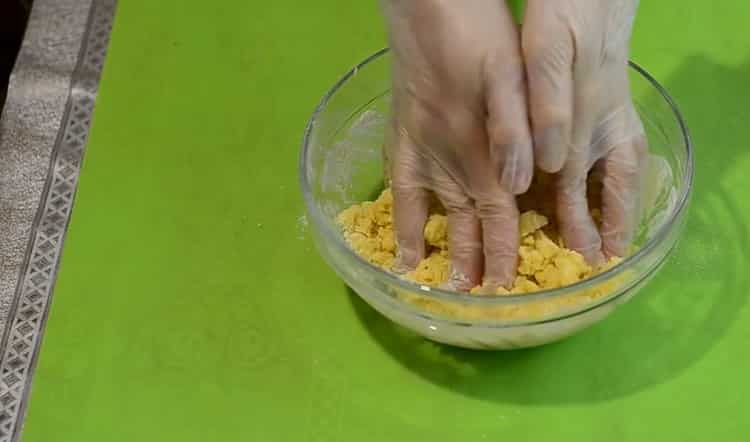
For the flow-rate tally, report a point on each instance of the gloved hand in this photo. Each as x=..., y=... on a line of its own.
x=460, y=129
x=576, y=54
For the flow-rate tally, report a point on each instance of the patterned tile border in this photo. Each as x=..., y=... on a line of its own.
x=28, y=315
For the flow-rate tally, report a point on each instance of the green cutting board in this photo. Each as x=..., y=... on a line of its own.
x=191, y=305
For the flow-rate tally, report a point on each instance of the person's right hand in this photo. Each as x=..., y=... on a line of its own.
x=459, y=129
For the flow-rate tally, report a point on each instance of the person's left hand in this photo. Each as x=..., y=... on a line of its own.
x=576, y=57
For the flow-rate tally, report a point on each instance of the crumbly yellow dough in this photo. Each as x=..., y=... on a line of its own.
x=368, y=228
x=544, y=263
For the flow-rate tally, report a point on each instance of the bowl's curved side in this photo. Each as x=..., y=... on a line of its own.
x=487, y=338
x=482, y=337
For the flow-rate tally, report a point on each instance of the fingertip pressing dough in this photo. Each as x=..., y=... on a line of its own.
x=543, y=261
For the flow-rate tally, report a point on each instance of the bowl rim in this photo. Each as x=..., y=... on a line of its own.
x=319, y=219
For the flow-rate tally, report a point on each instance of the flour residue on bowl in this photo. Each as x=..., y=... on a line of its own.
x=353, y=151
x=302, y=227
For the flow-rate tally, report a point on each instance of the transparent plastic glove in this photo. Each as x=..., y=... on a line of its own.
x=459, y=130
x=576, y=54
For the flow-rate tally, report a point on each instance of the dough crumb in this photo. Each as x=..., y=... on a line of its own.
x=531, y=221
x=432, y=271
x=436, y=231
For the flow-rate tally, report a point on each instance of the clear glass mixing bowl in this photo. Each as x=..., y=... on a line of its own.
x=341, y=164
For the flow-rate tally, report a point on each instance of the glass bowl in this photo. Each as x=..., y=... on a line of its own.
x=341, y=164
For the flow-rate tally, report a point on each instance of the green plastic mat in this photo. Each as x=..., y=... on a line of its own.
x=191, y=305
